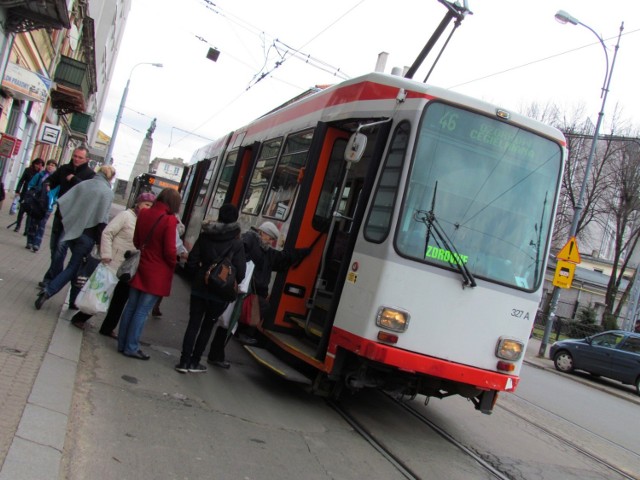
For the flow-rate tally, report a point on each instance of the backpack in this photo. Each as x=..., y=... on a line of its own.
x=36, y=203
x=220, y=278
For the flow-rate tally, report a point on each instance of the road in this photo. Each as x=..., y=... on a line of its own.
x=133, y=419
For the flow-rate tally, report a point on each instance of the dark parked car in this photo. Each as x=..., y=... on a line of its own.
x=614, y=354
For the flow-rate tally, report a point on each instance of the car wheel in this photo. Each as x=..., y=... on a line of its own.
x=563, y=361
x=638, y=385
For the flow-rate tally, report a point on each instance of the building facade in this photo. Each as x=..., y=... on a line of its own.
x=170, y=168
x=54, y=78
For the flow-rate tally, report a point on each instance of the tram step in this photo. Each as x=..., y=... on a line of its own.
x=273, y=363
x=314, y=328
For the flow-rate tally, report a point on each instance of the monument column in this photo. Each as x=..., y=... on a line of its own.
x=142, y=160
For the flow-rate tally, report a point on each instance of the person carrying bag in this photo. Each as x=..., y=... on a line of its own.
x=206, y=304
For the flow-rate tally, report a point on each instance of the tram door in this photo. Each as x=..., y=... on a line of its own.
x=330, y=221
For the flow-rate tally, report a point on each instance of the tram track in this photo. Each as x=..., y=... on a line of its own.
x=409, y=473
x=375, y=443
x=593, y=457
x=401, y=466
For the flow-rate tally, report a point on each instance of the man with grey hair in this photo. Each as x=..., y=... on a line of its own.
x=85, y=212
x=67, y=176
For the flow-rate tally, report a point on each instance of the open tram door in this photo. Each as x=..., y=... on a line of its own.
x=329, y=210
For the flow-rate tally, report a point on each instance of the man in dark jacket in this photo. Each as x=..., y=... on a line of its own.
x=205, y=306
x=66, y=177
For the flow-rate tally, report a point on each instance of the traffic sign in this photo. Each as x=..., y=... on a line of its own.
x=564, y=274
x=570, y=252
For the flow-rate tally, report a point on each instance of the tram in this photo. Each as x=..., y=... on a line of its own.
x=429, y=215
x=149, y=182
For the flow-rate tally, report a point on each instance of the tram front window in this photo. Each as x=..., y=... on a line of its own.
x=490, y=186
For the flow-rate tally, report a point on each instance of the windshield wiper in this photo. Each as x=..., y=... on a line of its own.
x=430, y=220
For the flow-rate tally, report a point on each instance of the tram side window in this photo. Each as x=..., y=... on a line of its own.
x=288, y=176
x=207, y=180
x=225, y=179
x=256, y=193
x=379, y=220
x=187, y=187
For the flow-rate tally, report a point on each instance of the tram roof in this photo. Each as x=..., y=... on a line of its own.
x=370, y=87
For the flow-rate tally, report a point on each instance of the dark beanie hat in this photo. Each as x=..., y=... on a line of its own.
x=228, y=213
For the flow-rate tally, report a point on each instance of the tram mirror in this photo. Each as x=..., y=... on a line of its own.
x=355, y=148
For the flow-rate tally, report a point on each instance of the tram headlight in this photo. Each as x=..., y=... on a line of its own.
x=392, y=319
x=509, y=349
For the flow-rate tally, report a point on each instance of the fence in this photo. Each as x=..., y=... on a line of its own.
x=566, y=327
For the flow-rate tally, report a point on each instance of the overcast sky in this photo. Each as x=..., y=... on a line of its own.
x=509, y=52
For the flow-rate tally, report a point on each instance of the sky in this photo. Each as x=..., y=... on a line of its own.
x=508, y=52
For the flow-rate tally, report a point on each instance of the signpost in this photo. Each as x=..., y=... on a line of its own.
x=568, y=257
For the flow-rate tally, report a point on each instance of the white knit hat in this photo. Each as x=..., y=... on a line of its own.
x=270, y=229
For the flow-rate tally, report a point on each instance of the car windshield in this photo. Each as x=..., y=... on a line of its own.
x=490, y=187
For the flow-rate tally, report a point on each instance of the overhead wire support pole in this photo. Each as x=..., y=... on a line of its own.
x=564, y=17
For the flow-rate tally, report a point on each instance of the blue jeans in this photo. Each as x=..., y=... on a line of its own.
x=58, y=249
x=36, y=230
x=79, y=247
x=133, y=319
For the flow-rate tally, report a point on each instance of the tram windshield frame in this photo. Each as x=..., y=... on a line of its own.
x=490, y=186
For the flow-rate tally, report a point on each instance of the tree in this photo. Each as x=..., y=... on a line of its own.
x=623, y=202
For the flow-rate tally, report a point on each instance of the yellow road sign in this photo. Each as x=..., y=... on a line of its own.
x=564, y=274
x=570, y=252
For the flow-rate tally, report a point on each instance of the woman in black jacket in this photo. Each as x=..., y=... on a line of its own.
x=204, y=306
x=23, y=185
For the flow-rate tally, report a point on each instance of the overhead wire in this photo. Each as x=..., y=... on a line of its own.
x=293, y=52
x=533, y=62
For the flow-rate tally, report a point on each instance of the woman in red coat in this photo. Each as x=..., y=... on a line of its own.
x=155, y=236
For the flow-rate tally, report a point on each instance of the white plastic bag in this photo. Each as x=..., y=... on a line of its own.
x=243, y=287
x=96, y=293
x=14, y=205
x=225, y=318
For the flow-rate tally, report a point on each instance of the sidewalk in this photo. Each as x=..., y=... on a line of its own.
x=38, y=361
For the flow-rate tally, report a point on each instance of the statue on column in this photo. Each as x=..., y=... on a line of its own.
x=152, y=128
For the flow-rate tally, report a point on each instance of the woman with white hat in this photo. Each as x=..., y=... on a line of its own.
x=259, y=247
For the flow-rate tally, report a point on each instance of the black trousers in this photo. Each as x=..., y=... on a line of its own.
x=216, y=352
x=202, y=316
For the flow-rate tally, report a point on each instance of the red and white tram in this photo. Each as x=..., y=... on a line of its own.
x=430, y=214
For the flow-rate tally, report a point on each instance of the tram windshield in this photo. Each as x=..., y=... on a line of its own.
x=490, y=187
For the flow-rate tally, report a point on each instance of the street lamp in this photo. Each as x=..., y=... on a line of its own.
x=116, y=125
x=564, y=17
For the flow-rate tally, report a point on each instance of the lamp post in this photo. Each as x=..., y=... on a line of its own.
x=116, y=125
x=564, y=17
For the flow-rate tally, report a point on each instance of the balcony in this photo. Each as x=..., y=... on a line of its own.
x=80, y=123
x=73, y=86
x=27, y=15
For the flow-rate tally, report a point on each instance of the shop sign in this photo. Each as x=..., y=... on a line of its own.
x=7, y=145
x=24, y=84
